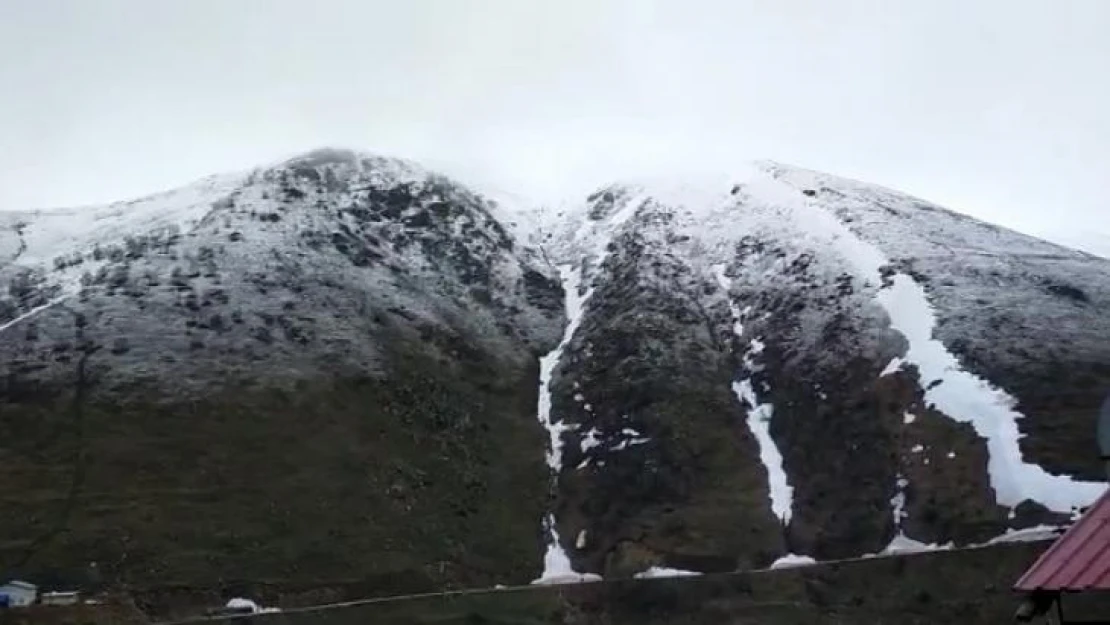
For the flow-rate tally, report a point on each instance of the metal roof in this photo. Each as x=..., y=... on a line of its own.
x=1079, y=559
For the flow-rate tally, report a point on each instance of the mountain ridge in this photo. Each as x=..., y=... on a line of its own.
x=698, y=351
x=681, y=218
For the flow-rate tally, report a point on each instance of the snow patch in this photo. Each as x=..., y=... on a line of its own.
x=625, y=444
x=1028, y=535
x=556, y=565
x=659, y=572
x=898, y=502
x=239, y=603
x=590, y=440
x=892, y=367
x=791, y=560
x=904, y=544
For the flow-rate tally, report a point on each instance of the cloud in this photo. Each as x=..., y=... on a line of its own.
x=995, y=108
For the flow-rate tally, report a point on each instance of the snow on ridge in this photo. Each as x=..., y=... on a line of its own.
x=386, y=168
x=798, y=176
x=1096, y=243
x=526, y=219
x=48, y=234
x=591, y=239
x=759, y=416
x=692, y=190
x=901, y=223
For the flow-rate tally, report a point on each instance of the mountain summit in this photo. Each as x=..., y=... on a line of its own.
x=346, y=366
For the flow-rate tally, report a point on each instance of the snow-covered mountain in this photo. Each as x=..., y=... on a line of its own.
x=903, y=371
x=325, y=366
x=719, y=372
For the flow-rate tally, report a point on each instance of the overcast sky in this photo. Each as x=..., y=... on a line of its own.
x=996, y=108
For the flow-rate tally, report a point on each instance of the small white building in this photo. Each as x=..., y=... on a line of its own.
x=68, y=597
x=19, y=594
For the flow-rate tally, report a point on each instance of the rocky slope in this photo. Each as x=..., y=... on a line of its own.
x=907, y=375
x=328, y=369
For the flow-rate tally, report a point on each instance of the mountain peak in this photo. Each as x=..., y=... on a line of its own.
x=354, y=161
x=328, y=155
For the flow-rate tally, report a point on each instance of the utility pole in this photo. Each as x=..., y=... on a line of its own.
x=1104, y=434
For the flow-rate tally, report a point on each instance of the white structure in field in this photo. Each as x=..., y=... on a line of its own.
x=68, y=597
x=19, y=594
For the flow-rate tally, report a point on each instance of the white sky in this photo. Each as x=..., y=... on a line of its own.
x=996, y=108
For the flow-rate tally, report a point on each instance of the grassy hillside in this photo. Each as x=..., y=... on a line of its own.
x=966, y=587
x=295, y=479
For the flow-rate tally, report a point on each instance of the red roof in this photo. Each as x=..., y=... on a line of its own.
x=1079, y=559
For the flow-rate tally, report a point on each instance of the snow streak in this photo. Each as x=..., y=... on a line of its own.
x=951, y=389
x=595, y=237
x=556, y=564
x=759, y=414
x=963, y=396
